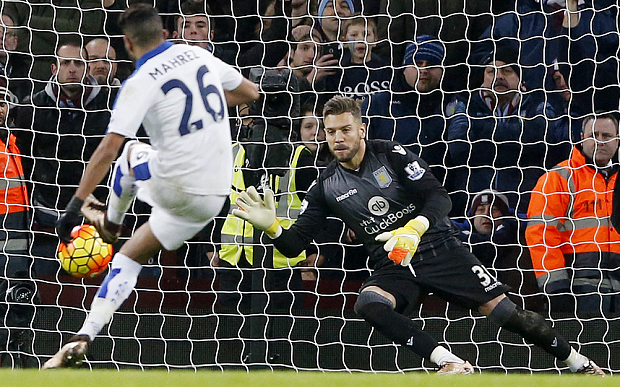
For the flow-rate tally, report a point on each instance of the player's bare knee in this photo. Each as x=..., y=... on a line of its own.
x=380, y=291
x=367, y=298
x=488, y=307
x=502, y=312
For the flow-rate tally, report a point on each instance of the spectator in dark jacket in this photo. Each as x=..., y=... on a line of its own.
x=58, y=132
x=306, y=59
x=102, y=66
x=43, y=25
x=489, y=226
x=499, y=135
x=539, y=33
x=310, y=67
x=592, y=45
x=13, y=65
x=412, y=113
x=193, y=26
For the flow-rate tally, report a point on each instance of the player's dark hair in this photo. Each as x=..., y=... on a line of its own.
x=141, y=23
x=340, y=104
x=600, y=116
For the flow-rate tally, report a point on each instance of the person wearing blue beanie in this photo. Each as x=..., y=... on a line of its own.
x=329, y=14
x=425, y=48
x=412, y=112
x=427, y=54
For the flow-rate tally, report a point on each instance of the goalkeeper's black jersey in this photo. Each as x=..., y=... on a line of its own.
x=391, y=187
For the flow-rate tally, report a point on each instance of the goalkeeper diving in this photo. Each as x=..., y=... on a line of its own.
x=389, y=198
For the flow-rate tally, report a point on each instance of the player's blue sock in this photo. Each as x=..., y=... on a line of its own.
x=123, y=188
x=115, y=289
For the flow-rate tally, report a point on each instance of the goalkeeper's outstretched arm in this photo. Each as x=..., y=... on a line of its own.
x=262, y=214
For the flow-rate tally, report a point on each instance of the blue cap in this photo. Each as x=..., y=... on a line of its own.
x=323, y=4
x=425, y=47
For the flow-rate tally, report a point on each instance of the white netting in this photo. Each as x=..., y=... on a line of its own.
x=185, y=312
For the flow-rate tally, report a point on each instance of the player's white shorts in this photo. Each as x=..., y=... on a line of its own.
x=176, y=216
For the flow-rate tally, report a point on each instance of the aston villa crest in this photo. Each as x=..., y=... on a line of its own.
x=382, y=177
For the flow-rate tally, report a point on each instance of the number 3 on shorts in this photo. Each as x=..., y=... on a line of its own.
x=485, y=277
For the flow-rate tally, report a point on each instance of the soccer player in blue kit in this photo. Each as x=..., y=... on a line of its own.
x=398, y=210
x=180, y=94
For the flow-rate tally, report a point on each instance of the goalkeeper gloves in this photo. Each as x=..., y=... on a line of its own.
x=71, y=218
x=261, y=213
x=402, y=243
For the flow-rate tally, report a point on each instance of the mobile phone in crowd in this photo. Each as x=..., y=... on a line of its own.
x=334, y=48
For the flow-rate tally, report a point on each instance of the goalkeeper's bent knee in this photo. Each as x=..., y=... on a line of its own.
x=531, y=326
x=378, y=311
x=369, y=297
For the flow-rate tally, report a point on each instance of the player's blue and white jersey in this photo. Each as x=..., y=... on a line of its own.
x=177, y=93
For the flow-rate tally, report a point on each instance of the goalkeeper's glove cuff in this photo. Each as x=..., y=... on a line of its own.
x=420, y=224
x=275, y=230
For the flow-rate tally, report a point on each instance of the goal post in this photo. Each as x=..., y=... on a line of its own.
x=189, y=313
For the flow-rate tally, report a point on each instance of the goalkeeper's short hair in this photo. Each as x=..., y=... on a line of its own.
x=340, y=104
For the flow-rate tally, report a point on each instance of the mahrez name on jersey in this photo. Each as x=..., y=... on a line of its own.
x=177, y=61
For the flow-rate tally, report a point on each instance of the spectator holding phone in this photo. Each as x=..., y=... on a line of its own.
x=310, y=67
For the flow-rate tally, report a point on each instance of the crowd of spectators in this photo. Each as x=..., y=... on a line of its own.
x=492, y=104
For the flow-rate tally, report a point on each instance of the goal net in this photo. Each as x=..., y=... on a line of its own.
x=226, y=299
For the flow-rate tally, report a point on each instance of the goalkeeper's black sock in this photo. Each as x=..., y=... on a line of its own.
x=534, y=329
x=398, y=328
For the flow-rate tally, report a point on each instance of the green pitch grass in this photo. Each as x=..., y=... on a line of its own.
x=126, y=378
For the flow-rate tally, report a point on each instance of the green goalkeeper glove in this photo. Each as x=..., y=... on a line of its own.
x=261, y=213
x=402, y=243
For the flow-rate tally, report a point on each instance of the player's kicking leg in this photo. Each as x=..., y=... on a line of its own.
x=123, y=274
x=70, y=355
x=115, y=289
x=376, y=306
x=132, y=161
x=534, y=329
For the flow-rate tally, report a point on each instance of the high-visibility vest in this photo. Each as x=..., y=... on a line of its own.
x=13, y=197
x=569, y=216
x=238, y=235
x=290, y=203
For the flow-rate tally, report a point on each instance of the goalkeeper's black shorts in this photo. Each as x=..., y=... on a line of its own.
x=451, y=272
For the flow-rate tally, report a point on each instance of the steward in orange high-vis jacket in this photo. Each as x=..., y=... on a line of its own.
x=573, y=246
x=14, y=204
x=17, y=291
